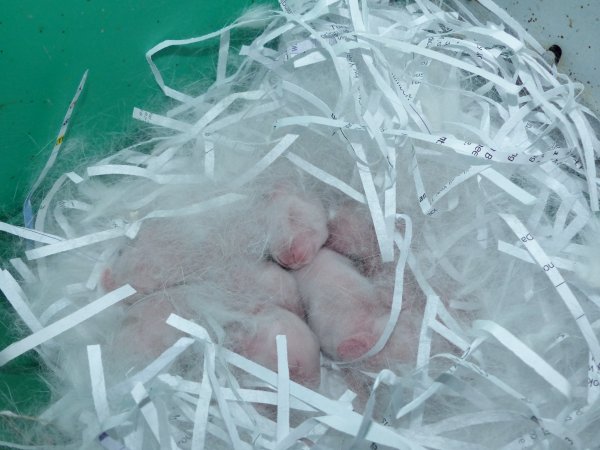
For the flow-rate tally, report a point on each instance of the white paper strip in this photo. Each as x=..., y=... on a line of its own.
x=97, y=381
x=66, y=323
x=266, y=160
x=114, y=169
x=71, y=244
x=204, y=398
x=338, y=416
x=16, y=297
x=410, y=48
x=557, y=280
x=525, y=354
x=155, y=367
x=283, y=389
x=23, y=270
x=162, y=121
x=27, y=207
x=386, y=245
x=508, y=186
x=32, y=235
x=326, y=177
x=149, y=412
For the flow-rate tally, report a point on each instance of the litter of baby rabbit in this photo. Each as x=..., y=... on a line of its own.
x=375, y=229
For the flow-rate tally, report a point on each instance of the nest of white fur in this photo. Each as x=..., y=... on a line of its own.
x=376, y=230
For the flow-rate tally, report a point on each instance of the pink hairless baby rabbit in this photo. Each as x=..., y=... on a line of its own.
x=351, y=233
x=296, y=226
x=254, y=306
x=168, y=252
x=316, y=296
x=348, y=311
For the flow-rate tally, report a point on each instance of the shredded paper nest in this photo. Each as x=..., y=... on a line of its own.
x=376, y=229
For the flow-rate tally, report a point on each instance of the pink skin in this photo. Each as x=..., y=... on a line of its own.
x=144, y=335
x=279, y=311
x=351, y=233
x=261, y=300
x=155, y=259
x=348, y=312
x=297, y=228
x=267, y=281
x=302, y=345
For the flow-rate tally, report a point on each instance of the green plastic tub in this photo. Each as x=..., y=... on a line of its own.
x=45, y=48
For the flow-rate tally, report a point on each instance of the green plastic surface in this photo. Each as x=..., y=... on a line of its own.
x=45, y=47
